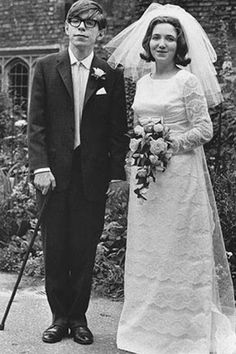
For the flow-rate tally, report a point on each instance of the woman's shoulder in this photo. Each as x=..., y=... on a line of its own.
x=190, y=84
x=187, y=80
x=143, y=79
x=187, y=77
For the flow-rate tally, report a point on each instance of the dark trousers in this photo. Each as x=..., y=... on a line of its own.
x=71, y=230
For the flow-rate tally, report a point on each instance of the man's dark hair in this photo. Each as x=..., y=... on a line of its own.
x=93, y=7
x=182, y=48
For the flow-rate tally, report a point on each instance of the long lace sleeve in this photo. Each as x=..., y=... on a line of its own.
x=201, y=130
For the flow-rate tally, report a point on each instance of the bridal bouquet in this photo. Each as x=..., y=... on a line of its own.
x=150, y=147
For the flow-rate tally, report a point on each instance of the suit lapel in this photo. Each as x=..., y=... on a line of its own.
x=93, y=83
x=63, y=67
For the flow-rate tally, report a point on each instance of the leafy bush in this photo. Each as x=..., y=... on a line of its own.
x=17, y=218
x=110, y=258
x=221, y=153
x=12, y=256
x=18, y=210
x=17, y=204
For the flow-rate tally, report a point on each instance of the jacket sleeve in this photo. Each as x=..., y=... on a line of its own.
x=37, y=125
x=118, y=128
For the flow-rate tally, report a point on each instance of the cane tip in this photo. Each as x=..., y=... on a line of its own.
x=1, y=327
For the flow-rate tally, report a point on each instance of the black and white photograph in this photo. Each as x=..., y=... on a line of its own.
x=117, y=176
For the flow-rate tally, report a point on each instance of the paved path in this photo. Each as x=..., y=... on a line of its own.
x=30, y=315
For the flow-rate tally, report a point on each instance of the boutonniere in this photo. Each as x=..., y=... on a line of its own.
x=98, y=74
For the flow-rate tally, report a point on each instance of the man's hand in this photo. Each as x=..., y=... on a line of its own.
x=43, y=181
x=117, y=187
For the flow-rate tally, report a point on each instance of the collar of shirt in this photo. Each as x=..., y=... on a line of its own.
x=86, y=61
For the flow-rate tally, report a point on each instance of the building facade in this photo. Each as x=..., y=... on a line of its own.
x=33, y=28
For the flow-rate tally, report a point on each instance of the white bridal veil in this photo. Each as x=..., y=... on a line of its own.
x=125, y=49
x=127, y=46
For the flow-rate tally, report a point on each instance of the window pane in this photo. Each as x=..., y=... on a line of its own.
x=18, y=84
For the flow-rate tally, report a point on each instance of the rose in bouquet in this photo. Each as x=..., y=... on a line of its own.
x=150, y=147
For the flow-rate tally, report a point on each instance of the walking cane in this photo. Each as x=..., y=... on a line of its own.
x=40, y=216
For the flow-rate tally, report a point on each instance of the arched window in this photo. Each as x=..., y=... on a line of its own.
x=1, y=79
x=18, y=81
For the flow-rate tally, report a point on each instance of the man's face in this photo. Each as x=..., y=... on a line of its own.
x=82, y=36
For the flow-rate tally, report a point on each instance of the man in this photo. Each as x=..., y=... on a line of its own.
x=77, y=147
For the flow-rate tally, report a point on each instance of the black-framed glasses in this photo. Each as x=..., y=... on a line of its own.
x=88, y=22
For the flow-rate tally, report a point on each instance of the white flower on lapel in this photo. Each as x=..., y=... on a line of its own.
x=99, y=74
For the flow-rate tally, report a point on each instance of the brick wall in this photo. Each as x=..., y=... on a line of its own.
x=206, y=11
x=30, y=22
x=40, y=22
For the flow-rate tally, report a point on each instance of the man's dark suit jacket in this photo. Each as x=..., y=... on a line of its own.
x=103, y=125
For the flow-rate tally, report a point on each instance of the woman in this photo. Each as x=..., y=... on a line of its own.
x=178, y=290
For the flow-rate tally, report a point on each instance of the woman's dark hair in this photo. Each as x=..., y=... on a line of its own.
x=182, y=48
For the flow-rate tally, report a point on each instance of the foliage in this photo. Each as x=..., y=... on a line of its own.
x=17, y=204
x=13, y=140
x=17, y=218
x=18, y=210
x=11, y=257
x=130, y=88
x=220, y=152
x=109, y=264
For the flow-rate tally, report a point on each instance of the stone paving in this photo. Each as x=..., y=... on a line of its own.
x=30, y=315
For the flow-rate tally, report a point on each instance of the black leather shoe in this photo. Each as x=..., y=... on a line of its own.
x=54, y=334
x=82, y=335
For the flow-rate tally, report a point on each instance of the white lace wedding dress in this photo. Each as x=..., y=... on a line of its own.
x=178, y=290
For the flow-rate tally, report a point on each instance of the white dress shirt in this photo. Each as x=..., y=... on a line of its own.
x=80, y=73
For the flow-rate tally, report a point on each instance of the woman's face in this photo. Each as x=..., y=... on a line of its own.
x=163, y=43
